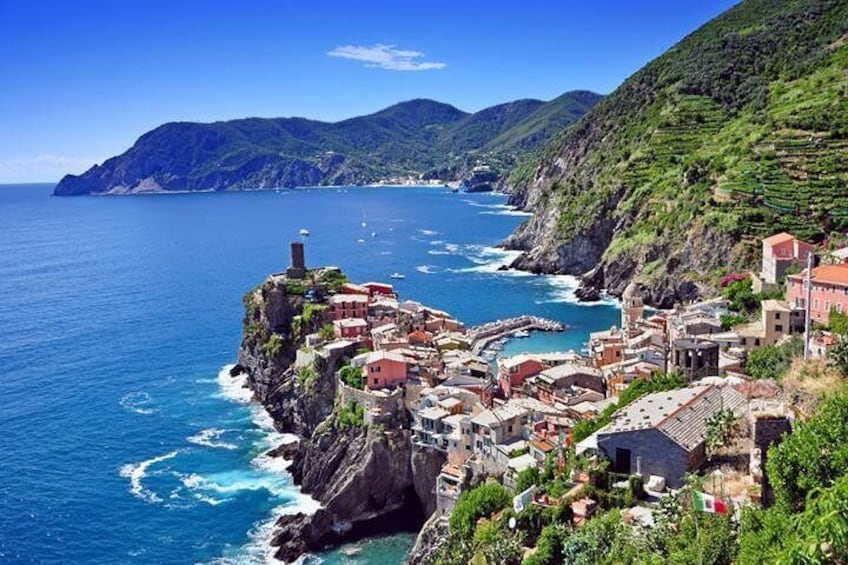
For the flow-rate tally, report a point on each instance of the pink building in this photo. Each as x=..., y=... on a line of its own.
x=351, y=328
x=830, y=291
x=384, y=369
x=779, y=251
x=512, y=373
x=349, y=306
x=381, y=289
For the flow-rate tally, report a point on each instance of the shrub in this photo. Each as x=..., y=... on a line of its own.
x=352, y=414
x=477, y=503
x=352, y=376
x=306, y=375
x=812, y=456
x=327, y=332
x=273, y=346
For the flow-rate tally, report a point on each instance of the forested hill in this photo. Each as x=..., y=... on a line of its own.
x=414, y=137
x=737, y=132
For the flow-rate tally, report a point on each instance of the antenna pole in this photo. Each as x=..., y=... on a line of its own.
x=808, y=287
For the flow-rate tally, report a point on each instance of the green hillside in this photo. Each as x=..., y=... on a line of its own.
x=420, y=136
x=737, y=132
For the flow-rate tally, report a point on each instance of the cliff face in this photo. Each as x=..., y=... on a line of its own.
x=368, y=479
x=734, y=134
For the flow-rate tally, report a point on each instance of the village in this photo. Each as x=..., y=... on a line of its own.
x=412, y=365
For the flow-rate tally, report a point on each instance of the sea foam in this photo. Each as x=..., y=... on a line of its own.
x=136, y=472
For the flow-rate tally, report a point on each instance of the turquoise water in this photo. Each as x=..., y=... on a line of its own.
x=118, y=315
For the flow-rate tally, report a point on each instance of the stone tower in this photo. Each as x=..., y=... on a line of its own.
x=632, y=307
x=298, y=261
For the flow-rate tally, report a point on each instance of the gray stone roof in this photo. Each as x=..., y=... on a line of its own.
x=680, y=414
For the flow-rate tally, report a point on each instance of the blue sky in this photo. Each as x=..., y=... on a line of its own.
x=82, y=80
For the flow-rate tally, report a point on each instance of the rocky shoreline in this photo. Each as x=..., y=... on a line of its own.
x=368, y=479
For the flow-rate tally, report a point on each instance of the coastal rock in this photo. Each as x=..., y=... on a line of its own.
x=368, y=479
x=428, y=542
x=364, y=479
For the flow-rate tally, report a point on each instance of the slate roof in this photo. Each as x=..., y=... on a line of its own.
x=680, y=414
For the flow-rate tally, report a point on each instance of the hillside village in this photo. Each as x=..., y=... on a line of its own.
x=628, y=419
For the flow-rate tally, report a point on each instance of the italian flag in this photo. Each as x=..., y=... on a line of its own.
x=708, y=503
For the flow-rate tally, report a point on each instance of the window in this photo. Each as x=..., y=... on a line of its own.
x=778, y=328
x=827, y=306
x=375, y=368
x=839, y=307
x=777, y=315
x=815, y=303
x=756, y=342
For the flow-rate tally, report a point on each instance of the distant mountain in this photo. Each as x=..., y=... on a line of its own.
x=737, y=132
x=415, y=137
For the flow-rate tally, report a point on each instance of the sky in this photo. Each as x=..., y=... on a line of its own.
x=81, y=80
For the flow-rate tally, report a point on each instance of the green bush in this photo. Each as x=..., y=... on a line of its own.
x=306, y=375
x=327, y=332
x=352, y=376
x=273, y=346
x=477, y=503
x=814, y=455
x=352, y=414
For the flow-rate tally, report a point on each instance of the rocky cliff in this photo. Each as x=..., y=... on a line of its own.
x=368, y=479
x=737, y=132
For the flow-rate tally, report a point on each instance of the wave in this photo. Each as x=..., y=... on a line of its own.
x=136, y=473
x=208, y=436
x=437, y=242
x=137, y=403
x=511, y=212
x=438, y=252
x=428, y=269
x=427, y=232
x=234, y=388
x=562, y=289
x=491, y=260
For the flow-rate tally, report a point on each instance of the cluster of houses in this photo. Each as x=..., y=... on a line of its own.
x=499, y=418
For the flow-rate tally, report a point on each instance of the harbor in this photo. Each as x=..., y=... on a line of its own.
x=495, y=333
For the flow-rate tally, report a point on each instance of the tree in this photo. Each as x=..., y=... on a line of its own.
x=527, y=478
x=741, y=296
x=764, y=362
x=838, y=322
x=477, y=503
x=838, y=355
x=814, y=455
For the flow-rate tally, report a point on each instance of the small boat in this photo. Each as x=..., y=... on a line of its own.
x=397, y=276
x=360, y=240
x=304, y=231
x=373, y=234
x=521, y=333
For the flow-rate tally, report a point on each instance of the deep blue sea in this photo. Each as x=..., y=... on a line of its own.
x=118, y=314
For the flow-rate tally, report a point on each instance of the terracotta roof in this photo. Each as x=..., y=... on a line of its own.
x=836, y=274
x=542, y=445
x=778, y=238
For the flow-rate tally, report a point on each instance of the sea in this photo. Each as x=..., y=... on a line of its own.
x=122, y=438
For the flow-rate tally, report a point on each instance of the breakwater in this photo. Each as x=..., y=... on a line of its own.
x=481, y=336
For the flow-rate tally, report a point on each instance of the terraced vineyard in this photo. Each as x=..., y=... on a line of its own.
x=737, y=132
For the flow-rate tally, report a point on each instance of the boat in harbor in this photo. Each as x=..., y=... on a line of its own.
x=521, y=333
x=304, y=231
x=397, y=276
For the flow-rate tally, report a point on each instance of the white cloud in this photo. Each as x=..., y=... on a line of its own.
x=41, y=168
x=386, y=57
